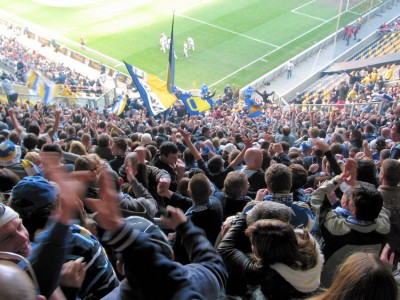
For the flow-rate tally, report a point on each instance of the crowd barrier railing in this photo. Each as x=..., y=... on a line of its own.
x=352, y=108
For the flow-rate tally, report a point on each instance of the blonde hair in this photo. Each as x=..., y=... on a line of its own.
x=77, y=148
x=363, y=276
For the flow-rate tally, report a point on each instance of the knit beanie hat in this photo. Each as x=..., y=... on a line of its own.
x=6, y=215
x=9, y=154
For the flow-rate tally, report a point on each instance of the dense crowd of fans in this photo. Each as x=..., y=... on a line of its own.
x=215, y=206
x=21, y=59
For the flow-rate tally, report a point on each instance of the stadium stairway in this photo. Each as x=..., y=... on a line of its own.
x=320, y=60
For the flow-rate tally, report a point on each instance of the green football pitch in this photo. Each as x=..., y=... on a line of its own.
x=236, y=41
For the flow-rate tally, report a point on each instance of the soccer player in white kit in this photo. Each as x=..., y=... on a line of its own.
x=190, y=42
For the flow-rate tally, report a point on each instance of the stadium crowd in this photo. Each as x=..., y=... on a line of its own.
x=21, y=59
x=214, y=206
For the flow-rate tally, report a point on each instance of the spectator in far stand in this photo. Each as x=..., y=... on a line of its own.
x=204, y=89
x=248, y=92
x=7, y=86
x=289, y=68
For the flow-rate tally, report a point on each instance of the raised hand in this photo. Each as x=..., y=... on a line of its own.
x=175, y=217
x=108, y=214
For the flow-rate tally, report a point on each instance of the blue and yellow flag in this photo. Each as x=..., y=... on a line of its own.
x=152, y=90
x=119, y=106
x=44, y=87
x=254, y=109
x=196, y=104
x=171, y=61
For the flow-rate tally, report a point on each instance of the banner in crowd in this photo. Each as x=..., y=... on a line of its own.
x=196, y=104
x=44, y=87
x=254, y=109
x=171, y=61
x=119, y=106
x=153, y=91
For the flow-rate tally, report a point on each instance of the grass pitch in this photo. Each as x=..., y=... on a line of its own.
x=236, y=41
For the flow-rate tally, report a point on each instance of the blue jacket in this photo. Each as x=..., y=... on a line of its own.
x=151, y=275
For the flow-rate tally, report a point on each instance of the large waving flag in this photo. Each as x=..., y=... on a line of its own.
x=44, y=87
x=152, y=90
x=119, y=105
x=253, y=108
x=196, y=104
x=171, y=61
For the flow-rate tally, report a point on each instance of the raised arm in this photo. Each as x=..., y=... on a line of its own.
x=248, y=142
x=189, y=144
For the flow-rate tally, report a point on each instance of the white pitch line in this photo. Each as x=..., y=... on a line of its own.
x=273, y=51
x=310, y=16
x=227, y=30
x=305, y=4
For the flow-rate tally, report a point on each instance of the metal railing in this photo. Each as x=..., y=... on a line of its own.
x=353, y=107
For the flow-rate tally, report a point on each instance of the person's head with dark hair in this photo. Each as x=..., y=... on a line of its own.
x=30, y=141
x=369, y=128
x=8, y=179
x=199, y=188
x=278, y=178
x=285, y=147
x=119, y=147
x=161, y=129
x=274, y=241
x=366, y=171
x=51, y=148
x=205, y=131
x=34, y=128
x=365, y=202
x=336, y=148
x=71, y=131
x=353, y=151
x=236, y=185
x=188, y=157
x=299, y=176
x=154, y=131
x=215, y=164
x=104, y=140
x=266, y=159
x=134, y=137
x=322, y=134
x=265, y=145
x=361, y=276
x=14, y=137
x=390, y=172
x=238, y=138
x=169, y=153
x=384, y=154
x=194, y=171
x=86, y=163
x=40, y=142
x=356, y=138
x=152, y=150
x=183, y=186
x=380, y=144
